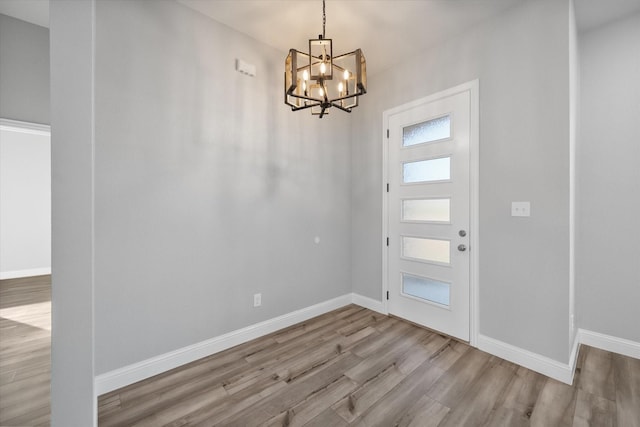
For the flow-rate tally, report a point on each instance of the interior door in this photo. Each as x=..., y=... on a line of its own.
x=428, y=214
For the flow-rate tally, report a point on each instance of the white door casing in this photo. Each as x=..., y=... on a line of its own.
x=430, y=209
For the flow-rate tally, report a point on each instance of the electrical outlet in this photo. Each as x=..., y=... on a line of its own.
x=257, y=300
x=520, y=209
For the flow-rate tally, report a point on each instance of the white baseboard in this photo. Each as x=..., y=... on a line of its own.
x=24, y=273
x=573, y=356
x=609, y=343
x=369, y=303
x=124, y=376
x=536, y=362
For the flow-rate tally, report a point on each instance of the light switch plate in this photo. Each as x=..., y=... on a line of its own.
x=520, y=209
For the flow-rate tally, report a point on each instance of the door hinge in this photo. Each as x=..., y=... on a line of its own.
x=387, y=241
x=387, y=294
x=387, y=187
x=387, y=133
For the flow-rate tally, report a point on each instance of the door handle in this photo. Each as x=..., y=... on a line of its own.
x=462, y=248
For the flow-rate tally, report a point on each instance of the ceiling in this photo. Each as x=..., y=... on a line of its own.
x=386, y=30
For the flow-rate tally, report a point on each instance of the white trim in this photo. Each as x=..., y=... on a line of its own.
x=536, y=362
x=122, y=377
x=385, y=211
x=16, y=274
x=130, y=374
x=609, y=343
x=573, y=356
x=93, y=209
x=474, y=212
x=25, y=127
x=369, y=303
x=574, y=119
x=473, y=87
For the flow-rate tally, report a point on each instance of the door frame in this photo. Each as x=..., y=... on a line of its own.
x=474, y=200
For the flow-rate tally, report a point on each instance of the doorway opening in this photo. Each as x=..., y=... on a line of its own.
x=25, y=273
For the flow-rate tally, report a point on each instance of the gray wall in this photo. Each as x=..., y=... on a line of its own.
x=521, y=59
x=207, y=188
x=608, y=267
x=72, y=148
x=24, y=71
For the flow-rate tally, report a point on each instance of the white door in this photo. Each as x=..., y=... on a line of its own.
x=428, y=213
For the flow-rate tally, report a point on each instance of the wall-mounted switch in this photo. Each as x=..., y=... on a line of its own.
x=520, y=209
x=257, y=300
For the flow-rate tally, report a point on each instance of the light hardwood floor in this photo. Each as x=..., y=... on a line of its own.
x=348, y=367
x=356, y=367
x=25, y=351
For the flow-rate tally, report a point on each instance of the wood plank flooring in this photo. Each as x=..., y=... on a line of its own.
x=25, y=351
x=348, y=367
x=356, y=367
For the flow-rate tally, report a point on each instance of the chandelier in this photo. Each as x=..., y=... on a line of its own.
x=318, y=80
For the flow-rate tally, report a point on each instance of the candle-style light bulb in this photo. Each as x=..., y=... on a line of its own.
x=340, y=87
x=305, y=75
x=346, y=80
x=323, y=68
x=321, y=92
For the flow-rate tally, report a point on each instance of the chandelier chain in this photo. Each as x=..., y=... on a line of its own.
x=324, y=18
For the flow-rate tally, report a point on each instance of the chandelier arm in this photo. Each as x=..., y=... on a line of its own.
x=337, y=67
x=344, y=55
x=342, y=98
x=307, y=98
x=301, y=53
x=340, y=107
x=304, y=107
x=325, y=91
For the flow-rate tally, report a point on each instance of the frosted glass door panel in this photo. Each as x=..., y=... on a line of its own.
x=427, y=289
x=429, y=131
x=426, y=249
x=427, y=210
x=427, y=170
